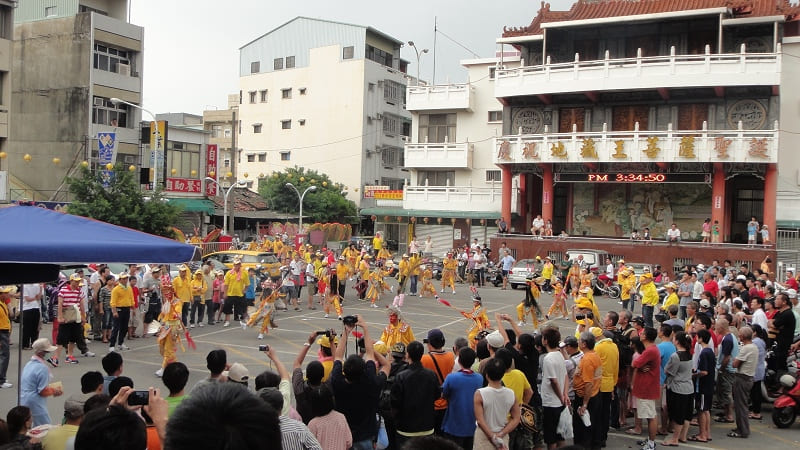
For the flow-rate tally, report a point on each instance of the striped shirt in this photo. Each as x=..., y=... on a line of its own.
x=71, y=297
x=332, y=431
x=296, y=436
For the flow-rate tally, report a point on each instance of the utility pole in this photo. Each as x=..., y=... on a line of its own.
x=234, y=160
x=435, y=32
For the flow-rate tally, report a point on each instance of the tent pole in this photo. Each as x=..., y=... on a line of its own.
x=19, y=347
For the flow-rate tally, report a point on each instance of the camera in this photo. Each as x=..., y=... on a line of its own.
x=139, y=398
x=263, y=348
x=425, y=341
x=588, y=315
x=350, y=320
x=324, y=333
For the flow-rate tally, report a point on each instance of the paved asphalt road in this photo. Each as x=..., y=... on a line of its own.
x=294, y=327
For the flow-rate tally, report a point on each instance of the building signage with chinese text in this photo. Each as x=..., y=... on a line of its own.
x=186, y=185
x=212, y=157
x=389, y=195
x=369, y=191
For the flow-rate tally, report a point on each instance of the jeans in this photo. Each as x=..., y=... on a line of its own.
x=198, y=309
x=5, y=354
x=647, y=314
x=120, y=328
x=187, y=306
x=682, y=313
x=413, y=289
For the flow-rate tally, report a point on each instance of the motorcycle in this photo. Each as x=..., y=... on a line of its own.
x=786, y=407
x=494, y=275
x=771, y=385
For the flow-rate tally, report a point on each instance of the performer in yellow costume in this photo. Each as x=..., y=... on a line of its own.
x=449, y=267
x=363, y=267
x=627, y=282
x=332, y=296
x=351, y=257
x=375, y=286
x=427, y=283
x=559, y=301
x=169, y=335
x=574, y=279
x=384, y=255
x=547, y=274
x=397, y=330
x=531, y=303
x=265, y=310
x=586, y=292
x=266, y=246
x=480, y=321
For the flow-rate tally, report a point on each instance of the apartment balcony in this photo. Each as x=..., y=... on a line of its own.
x=456, y=198
x=439, y=155
x=670, y=146
x=440, y=97
x=652, y=72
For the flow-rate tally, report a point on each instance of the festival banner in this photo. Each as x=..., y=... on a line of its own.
x=212, y=159
x=187, y=185
x=106, y=154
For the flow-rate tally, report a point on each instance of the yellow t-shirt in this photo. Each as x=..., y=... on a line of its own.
x=341, y=271
x=517, y=382
x=236, y=286
x=199, y=288
x=377, y=243
x=672, y=299
x=182, y=288
x=122, y=296
x=607, y=350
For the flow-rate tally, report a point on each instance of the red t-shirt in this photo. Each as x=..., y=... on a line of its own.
x=647, y=384
x=711, y=286
x=791, y=283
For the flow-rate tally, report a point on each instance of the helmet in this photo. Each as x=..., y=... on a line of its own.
x=787, y=380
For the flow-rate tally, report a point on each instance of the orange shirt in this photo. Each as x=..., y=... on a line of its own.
x=444, y=360
x=590, y=370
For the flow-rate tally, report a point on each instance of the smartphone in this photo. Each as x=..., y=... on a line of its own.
x=263, y=348
x=323, y=333
x=139, y=398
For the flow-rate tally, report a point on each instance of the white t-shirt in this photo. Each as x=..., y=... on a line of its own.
x=676, y=233
x=538, y=223
x=496, y=405
x=31, y=290
x=553, y=367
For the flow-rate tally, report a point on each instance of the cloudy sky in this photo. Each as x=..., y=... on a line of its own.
x=191, y=46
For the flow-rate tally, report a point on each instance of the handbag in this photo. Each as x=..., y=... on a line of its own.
x=527, y=417
x=70, y=314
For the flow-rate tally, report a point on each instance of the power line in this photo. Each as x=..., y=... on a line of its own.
x=457, y=43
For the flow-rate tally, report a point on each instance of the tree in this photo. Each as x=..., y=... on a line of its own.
x=326, y=204
x=122, y=202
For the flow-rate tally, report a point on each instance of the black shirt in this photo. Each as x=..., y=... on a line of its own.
x=358, y=401
x=784, y=323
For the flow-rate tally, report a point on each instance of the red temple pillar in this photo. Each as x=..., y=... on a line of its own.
x=771, y=199
x=547, y=192
x=523, y=196
x=718, y=200
x=505, y=208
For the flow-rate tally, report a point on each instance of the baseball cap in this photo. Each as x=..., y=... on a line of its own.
x=399, y=350
x=123, y=275
x=183, y=268
x=701, y=267
x=705, y=303
x=73, y=405
x=435, y=334
x=596, y=331
x=325, y=341
x=75, y=277
x=43, y=345
x=6, y=289
x=569, y=341
x=791, y=293
x=238, y=373
x=638, y=319
x=495, y=339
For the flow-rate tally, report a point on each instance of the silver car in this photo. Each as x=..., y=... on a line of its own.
x=520, y=272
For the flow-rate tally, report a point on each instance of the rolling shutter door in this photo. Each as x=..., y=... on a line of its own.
x=441, y=235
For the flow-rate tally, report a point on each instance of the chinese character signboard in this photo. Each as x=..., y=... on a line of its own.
x=158, y=140
x=106, y=144
x=389, y=195
x=186, y=185
x=369, y=191
x=212, y=158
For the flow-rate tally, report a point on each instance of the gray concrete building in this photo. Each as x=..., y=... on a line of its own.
x=70, y=59
x=6, y=33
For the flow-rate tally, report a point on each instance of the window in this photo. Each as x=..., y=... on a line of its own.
x=226, y=162
x=347, y=52
x=437, y=127
x=255, y=66
x=393, y=156
x=256, y=128
x=216, y=131
x=492, y=71
x=395, y=184
x=104, y=112
x=392, y=124
x=436, y=177
x=393, y=92
x=183, y=157
x=495, y=116
x=252, y=95
x=302, y=122
x=263, y=96
x=50, y=11
x=406, y=128
x=290, y=62
x=251, y=157
x=240, y=96
x=6, y=24
x=111, y=59
x=286, y=124
x=262, y=157
x=379, y=56
x=493, y=176
x=302, y=91
x=277, y=64
x=227, y=132
x=286, y=93
x=286, y=156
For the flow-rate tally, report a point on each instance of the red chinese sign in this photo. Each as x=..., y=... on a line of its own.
x=183, y=185
x=389, y=195
x=212, y=159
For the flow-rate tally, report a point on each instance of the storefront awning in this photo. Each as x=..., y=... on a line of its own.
x=788, y=224
x=386, y=211
x=193, y=204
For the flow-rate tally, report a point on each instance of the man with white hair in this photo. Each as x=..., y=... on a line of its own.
x=35, y=384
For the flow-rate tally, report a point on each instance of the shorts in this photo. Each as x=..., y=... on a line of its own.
x=227, y=307
x=69, y=332
x=703, y=401
x=705, y=234
x=550, y=418
x=645, y=408
x=505, y=273
x=680, y=407
x=725, y=387
x=108, y=318
x=751, y=237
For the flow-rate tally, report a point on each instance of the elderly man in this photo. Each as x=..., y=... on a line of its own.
x=35, y=386
x=745, y=364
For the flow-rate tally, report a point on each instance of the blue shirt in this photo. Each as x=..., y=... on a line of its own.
x=250, y=292
x=667, y=349
x=508, y=262
x=35, y=378
x=459, y=390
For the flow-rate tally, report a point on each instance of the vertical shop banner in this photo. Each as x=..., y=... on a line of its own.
x=212, y=159
x=106, y=146
x=158, y=140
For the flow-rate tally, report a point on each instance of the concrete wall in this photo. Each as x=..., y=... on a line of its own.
x=788, y=208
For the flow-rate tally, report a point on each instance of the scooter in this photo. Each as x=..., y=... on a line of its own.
x=771, y=386
x=494, y=275
x=786, y=407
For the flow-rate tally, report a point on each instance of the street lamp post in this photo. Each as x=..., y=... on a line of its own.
x=225, y=199
x=116, y=101
x=301, y=197
x=419, y=55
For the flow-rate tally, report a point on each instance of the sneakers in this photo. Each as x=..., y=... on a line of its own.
x=374, y=305
x=159, y=372
x=191, y=325
x=326, y=316
x=111, y=349
x=243, y=324
x=226, y=324
x=123, y=347
x=6, y=385
x=88, y=354
x=442, y=290
x=260, y=335
x=71, y=360
x=53, y=361
x=454, y=292
x=340, y=317
x=200, y=325
x=520, y=323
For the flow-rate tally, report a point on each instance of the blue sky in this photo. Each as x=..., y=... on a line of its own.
x=191, y=46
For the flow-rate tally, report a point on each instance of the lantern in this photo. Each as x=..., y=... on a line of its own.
x=211, y=174
x=302, y=179
x=469, y=221
x=325, y=184
x=425, y=219
x=228, y=174
x=173, y=171
x=399, y=218
x=373, y=217
x=110, y=166
x=27, y=157
x=413, y=220
x=194, y=173
x=85, y=164
x=3, y=155
x=453, y=220
x=386, y=218
x=246, y=174
x=483, y=221
x=439, y=220
x=132, y=168
x=56, y=161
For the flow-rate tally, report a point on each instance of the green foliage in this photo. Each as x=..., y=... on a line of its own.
x=325, y=204
x=122, y=203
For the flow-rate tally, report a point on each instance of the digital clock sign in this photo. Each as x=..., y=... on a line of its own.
x=619, y=177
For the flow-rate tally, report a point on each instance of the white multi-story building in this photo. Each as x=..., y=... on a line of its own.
x=326, y=96
x=455, y=188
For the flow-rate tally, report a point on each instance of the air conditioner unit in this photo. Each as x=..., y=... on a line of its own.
x=98, y=101
x=130, y=159
x=124, y=69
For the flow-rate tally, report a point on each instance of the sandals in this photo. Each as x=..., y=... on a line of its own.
x=696, y=439
x=722, y=420
x=669, y=444
x=755, y=417
x=633, y=432
x=735, y=434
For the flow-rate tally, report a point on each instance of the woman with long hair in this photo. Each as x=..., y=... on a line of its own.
x=680, y=389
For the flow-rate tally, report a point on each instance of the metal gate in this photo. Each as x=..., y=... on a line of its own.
x=787, y=243
x=441, y=236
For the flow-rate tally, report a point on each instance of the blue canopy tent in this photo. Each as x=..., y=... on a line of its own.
x=36, y=241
